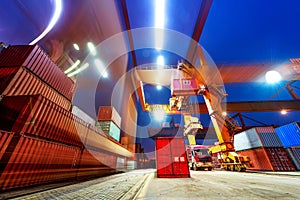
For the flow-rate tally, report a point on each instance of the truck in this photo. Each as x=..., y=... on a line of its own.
x=199, y=157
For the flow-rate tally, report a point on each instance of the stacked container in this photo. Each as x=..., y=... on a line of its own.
x=171, y=159
x=109, y=121
x=264, y=149
x=36, y=62
x=41, y=140
x=289, y=136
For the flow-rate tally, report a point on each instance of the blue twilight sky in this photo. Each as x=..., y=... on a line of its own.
x=236, y=32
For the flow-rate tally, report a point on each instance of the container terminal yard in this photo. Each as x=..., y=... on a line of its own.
x=152, y=99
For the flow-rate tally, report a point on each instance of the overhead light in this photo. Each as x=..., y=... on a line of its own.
x=54, y=19
x=159, y=115
x=83, y=67
x=159, y=23
x=273, y=76
x=76, y=46
x=224, y=113
x=72, y=67
x=92, y=48
x=160, y=61
x=283, y=112
x=158, y=87
x=101, y=67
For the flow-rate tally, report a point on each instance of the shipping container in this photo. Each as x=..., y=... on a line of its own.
x=289, y=134
x=109, y=113
x=268, y=159
x=35, y=161
x=171, y=158
x=131, y=164
x=40, y=64
x=36, y=115
x=82, y=115
x=280, y=159
x=255, y=138
x=110, y=128
x=258, y=159
x=184, y=87
x=5, y=138
x=294, y=154
x=99, y=140
x=16, y=81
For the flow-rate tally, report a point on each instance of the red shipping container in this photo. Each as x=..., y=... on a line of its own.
x=280, y=159
x=5, y=138
x=36, y=161
x=19, y=81
x=39, y=63
x=171, y=159
x=268, y=159
x=38, y=116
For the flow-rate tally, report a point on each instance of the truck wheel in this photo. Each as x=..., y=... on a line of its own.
x=195, y=167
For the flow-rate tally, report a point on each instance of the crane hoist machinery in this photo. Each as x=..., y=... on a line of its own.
x=189, y=84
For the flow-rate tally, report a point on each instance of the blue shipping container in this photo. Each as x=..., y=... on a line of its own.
x=289, y=134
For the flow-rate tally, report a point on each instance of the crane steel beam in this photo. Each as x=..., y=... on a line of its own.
x=247, y=106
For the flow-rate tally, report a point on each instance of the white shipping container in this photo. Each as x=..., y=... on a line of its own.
x=246, y=140
x=81, y=114
x=256, y=138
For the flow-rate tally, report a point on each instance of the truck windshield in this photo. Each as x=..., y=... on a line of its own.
x=201, y=152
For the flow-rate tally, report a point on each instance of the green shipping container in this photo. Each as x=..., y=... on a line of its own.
x=110, y=128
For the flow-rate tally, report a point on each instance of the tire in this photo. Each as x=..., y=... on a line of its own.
x=209, y=169
x=195, y=168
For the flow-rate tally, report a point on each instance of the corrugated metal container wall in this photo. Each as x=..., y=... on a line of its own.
x=17, y=55
x=109, y=113
x=268, y=137
x=266, y=159
x=247, y=140
x=279, y=159
x=6, y=75
x=5, y=138
x=171, y=158
x=34, y=161
x=40, y=117
x=289, y=134
x=93, y=158
x=110, y=128
x=294, y=154
x=255, y=138
x=38, y=62
x=81, y=114
x=258, y=158
x=19, y=81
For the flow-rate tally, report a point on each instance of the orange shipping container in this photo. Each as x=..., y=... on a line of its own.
x=109, y=113
x=268, y=159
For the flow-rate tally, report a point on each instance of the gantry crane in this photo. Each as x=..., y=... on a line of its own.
x=189, y=85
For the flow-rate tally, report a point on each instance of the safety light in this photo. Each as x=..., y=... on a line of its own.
x=273, y=76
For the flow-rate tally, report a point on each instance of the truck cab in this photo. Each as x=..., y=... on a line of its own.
x=199, y=157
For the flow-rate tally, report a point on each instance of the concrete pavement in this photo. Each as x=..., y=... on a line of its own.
x=143, y=184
